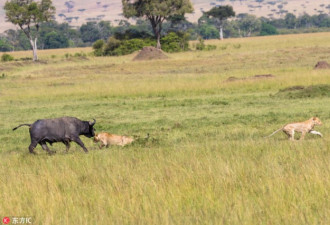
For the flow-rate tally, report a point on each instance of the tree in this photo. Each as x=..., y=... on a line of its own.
x=5, y=46
x=28, y=15
x=90, y=32
x=56, y=40
x=220, y=14
x=208, y=31
x=290, y=21
x=249, y=24
x=156, y=11
x=304, y=21
x=267, y=29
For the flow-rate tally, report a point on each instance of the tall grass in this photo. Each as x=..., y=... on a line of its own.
x=206, y=161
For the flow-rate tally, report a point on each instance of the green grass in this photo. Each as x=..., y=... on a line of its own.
x=207, y=161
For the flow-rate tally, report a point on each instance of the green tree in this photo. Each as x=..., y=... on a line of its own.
x=220, y=14
x=208, y=31
x=290, y=21
x=156, y=11
x=55, y=40
x=28, y=15
x=267, y=29
x=90, y=32
x=5, y=46
x=249, y=24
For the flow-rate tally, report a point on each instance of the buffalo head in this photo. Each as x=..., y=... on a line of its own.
x=91, y=132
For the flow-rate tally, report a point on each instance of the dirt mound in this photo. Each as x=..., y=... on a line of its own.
x=149, y=53
x=263, y=76
x=255, y=77
x=322, y=65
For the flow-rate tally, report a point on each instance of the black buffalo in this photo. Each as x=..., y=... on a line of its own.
x=64, y=129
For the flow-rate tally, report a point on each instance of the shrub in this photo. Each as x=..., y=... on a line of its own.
x=130, y=46
x=98, y=47
x=201, y=46
x=175, y=42
x=6, y=58
x=237, y=46
x=111, y=45
x=115, y=47
x=210, y=47
x=79, y=54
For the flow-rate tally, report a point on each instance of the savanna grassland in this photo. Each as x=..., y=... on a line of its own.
x=206, y=161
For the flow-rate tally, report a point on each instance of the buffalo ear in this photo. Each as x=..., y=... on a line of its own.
x=92, y=123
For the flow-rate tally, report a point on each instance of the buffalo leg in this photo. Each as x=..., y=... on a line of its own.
x=32, y=147
x=45, y=147
x=67, y=144
x=80, y=143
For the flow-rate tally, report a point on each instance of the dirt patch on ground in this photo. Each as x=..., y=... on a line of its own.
x=293, y=88
x=149, y=53
x=255, y=77
x=313, y=91
x=322, y=65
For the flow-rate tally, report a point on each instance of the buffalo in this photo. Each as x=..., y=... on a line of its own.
x=64, y=129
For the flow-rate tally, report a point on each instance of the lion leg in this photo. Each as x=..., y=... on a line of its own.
x=101, y=145
x=302, y=135
x=316, y=132
x=290, y=134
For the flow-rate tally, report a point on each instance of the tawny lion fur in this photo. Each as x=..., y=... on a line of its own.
x=107, y=139
x=302, y=127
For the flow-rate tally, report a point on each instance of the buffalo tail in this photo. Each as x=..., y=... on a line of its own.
x=22, y=125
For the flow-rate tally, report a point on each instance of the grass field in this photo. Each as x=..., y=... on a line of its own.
x=206, y=161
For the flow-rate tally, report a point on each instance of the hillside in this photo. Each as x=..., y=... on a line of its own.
x=79, y=12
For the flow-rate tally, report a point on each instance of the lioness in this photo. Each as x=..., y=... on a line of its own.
x=107, y=139
x=302, y=127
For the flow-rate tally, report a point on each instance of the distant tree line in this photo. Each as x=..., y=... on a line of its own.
x=55, y=35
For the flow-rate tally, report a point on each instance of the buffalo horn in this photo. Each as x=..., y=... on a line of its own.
x=92, y=123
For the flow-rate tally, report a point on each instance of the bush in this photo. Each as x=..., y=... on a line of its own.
x=175, y=42
x=130, y=46
x=111, y=45
x=237, y=46
x=79, y=54
x=116, y=47
x=98, y=47
x=210, y=47
x=6, y=58
x=67, y=55
x=201, y=46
